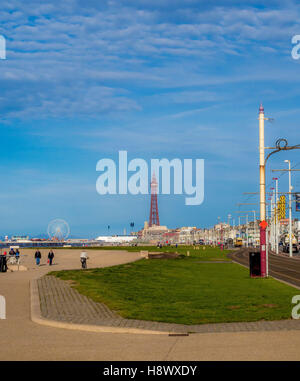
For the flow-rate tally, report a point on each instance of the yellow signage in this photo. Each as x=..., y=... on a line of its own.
x=281, y=210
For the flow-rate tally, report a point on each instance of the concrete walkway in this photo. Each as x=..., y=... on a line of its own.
x=21, y=339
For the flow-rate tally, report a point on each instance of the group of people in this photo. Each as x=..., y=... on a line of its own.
x=83, y=258
x=13, y=254
x=38, y=257
x=12, y=258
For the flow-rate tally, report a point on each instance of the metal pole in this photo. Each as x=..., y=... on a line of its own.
x=254, y=227
x=247, y=231
x=290, y=208
x=276, y=218
x=228, y=235
x=267, y=252
x=271, y=224
x=222, y=246
x=262, y=189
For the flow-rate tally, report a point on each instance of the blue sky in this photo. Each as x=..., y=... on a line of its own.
x=84, y=79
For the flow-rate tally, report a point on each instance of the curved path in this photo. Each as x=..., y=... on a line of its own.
x=21, y=339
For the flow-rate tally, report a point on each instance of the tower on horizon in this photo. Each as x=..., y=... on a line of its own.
x=154, y=217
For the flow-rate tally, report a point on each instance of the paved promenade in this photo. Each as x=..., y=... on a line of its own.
x=22, y=339
x=62, y=303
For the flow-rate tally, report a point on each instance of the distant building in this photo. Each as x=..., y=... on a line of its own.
x=20, y=238
x=116, y=239
x=186, y=234
x=153, y=234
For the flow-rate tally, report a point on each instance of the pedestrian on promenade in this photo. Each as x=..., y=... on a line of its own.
x=12, y=252
x=83, y=259
x=38, y=257
x=17, y=255
x=50, y=257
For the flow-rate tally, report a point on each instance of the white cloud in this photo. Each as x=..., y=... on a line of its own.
x=63, y=53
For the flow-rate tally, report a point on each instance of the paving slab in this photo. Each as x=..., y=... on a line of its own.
x=61, y=303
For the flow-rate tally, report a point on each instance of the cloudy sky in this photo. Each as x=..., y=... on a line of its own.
x=84, y=79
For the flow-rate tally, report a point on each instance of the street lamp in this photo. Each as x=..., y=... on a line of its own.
x=281, y=145
x=262, y=182
x=276, y=215
x=290, y=208
x=219, y=233
x=247, y=229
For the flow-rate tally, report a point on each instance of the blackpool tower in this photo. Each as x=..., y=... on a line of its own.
x=154, y=218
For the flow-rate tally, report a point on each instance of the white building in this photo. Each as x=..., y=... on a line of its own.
x=116, y=238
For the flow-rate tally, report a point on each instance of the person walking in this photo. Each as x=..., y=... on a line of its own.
x=50, y=257
x=17, y=256
x=83, y=259
x=38, y=257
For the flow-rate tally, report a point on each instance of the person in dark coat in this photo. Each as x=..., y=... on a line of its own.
x=38, y=257
x=12, y=252
x=17, y=255
x=3, y=263
x=50, y=257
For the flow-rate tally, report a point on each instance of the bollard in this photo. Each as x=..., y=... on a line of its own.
x=144, y=254
x=188, y=253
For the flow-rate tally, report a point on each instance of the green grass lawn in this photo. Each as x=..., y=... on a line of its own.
x=185, y=290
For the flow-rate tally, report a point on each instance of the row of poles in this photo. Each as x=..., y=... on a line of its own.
x=263, y=225
x=263, y=217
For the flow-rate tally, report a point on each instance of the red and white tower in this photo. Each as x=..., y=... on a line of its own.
x=154, y=217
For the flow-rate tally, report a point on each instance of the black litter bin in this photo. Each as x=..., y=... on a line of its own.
x=3, y=265
x=254, y=263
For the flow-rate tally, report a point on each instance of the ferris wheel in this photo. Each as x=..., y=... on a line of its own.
x=58, y=230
